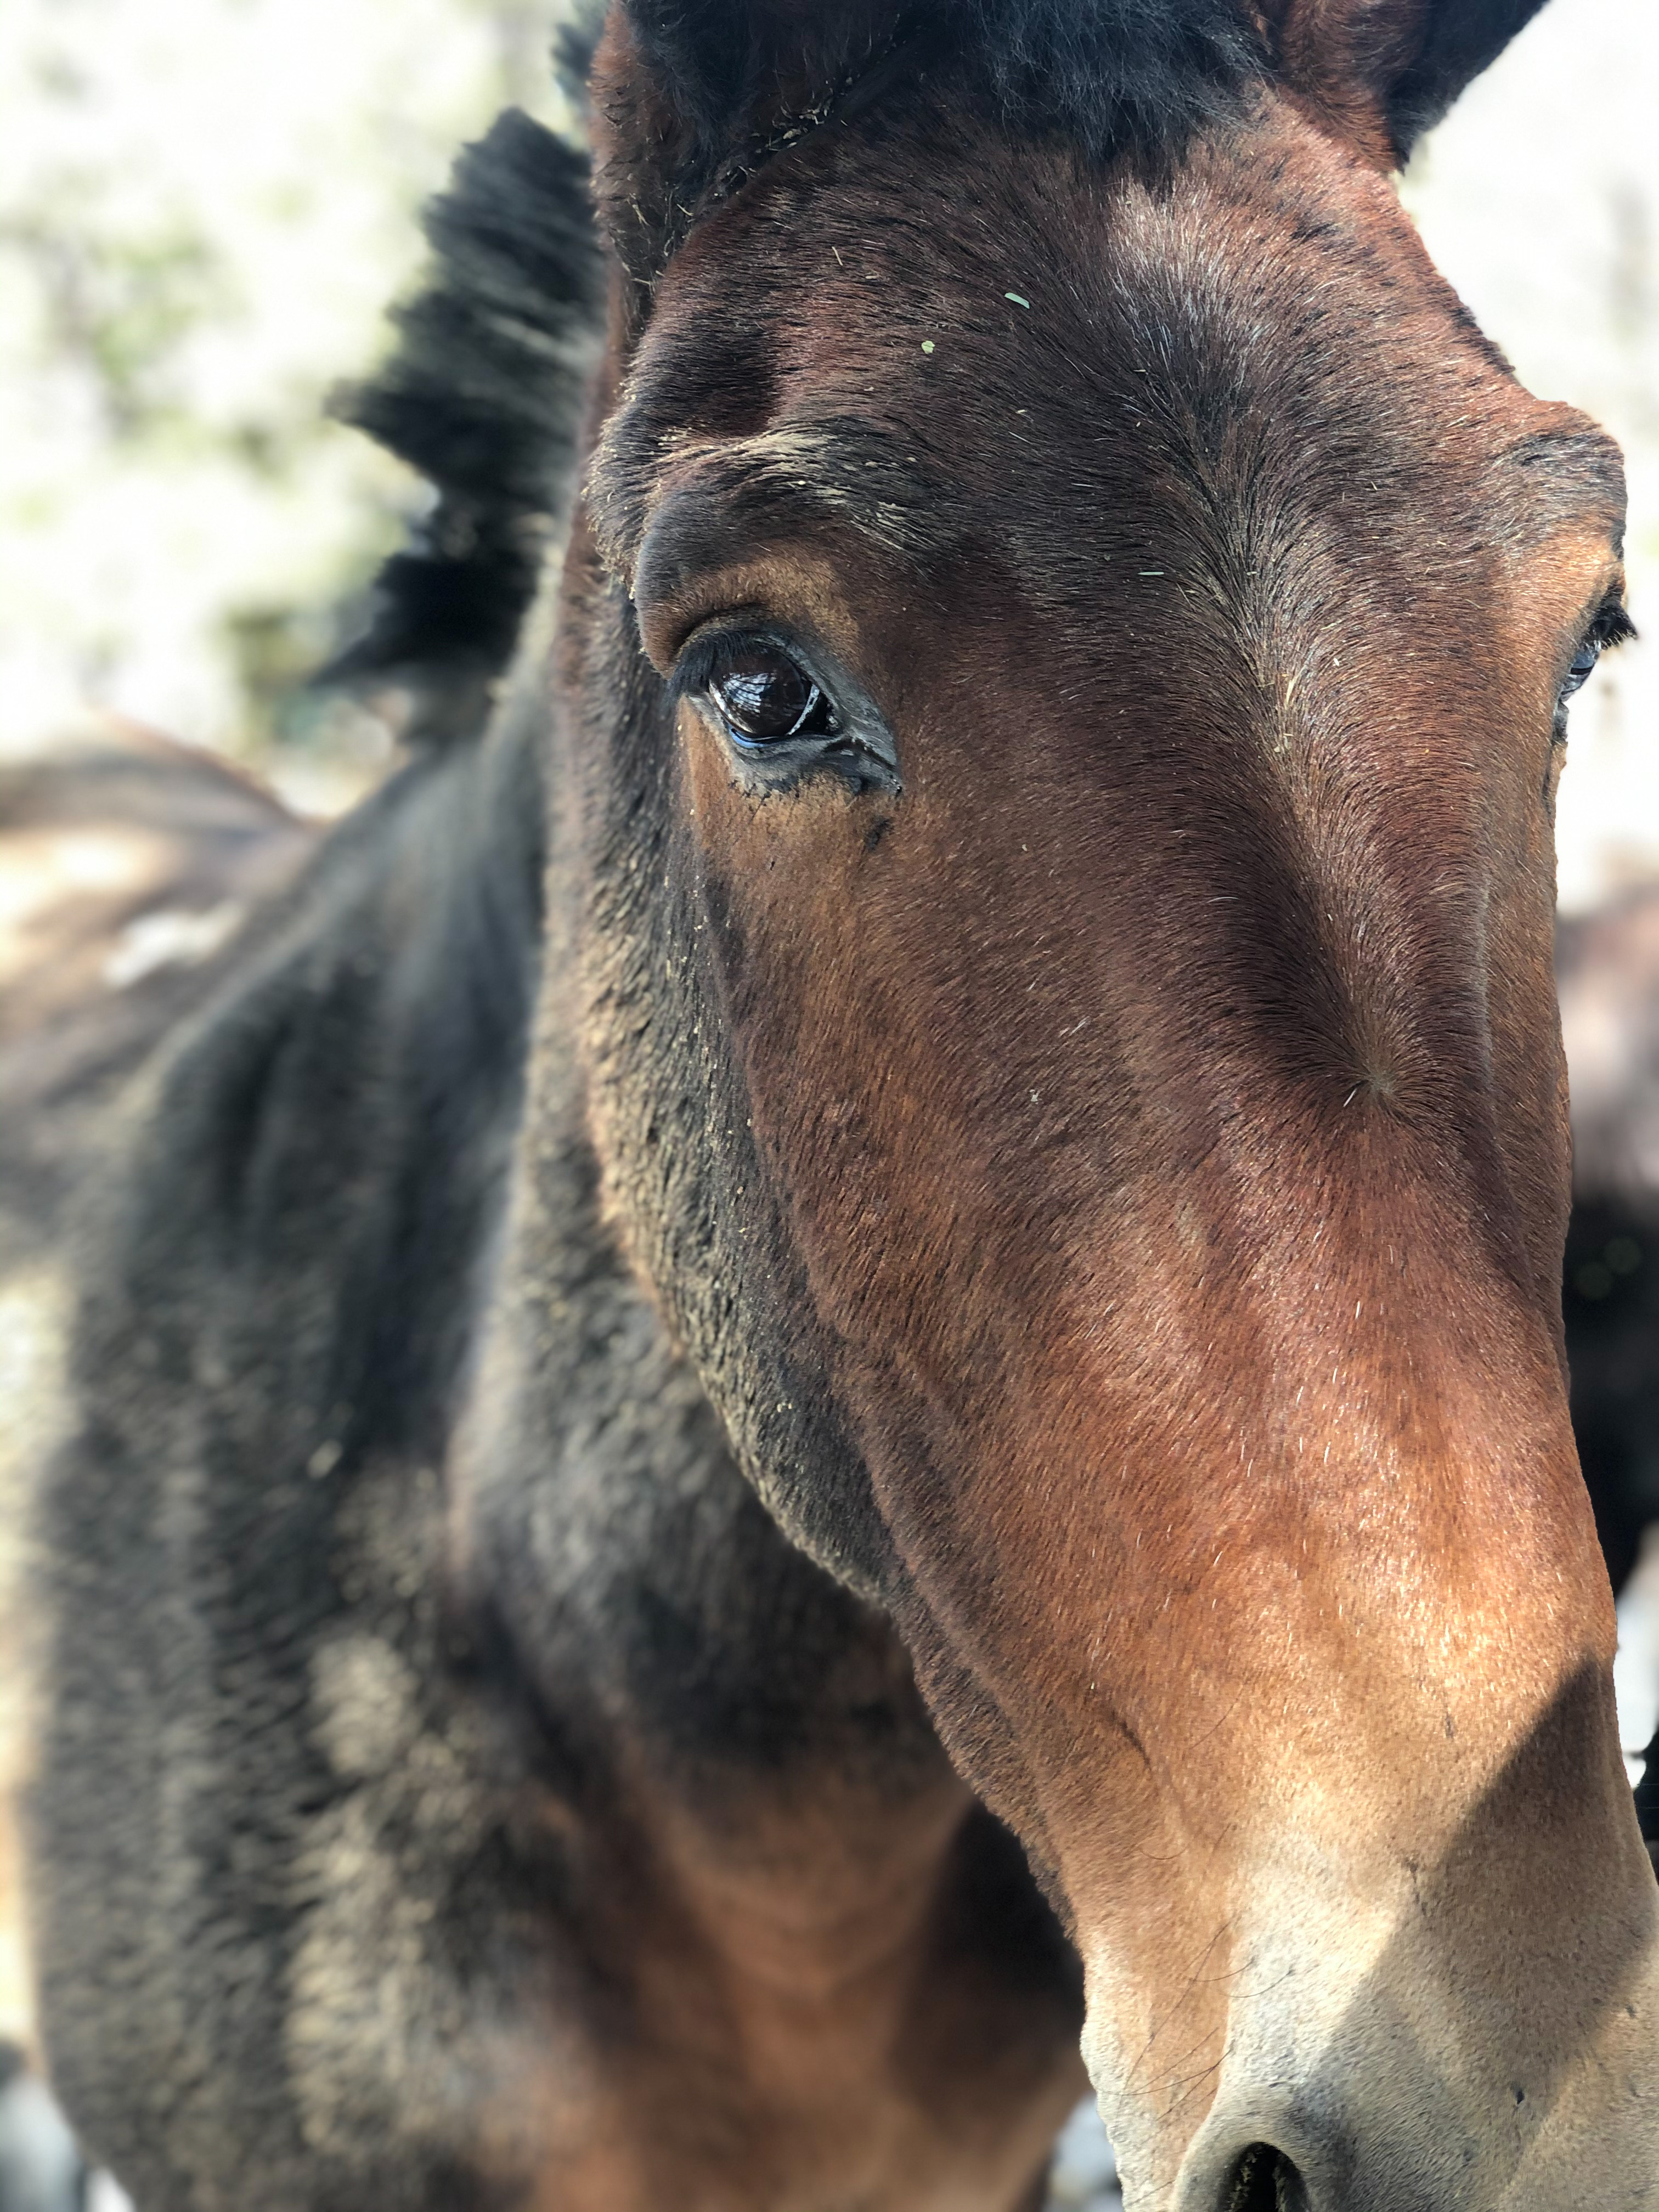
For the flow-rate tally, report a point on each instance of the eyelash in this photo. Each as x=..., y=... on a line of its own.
x=1612, y=627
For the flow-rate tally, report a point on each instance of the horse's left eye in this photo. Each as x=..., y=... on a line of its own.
x=1612, y=627
x=764, y=698
x=1584, y=666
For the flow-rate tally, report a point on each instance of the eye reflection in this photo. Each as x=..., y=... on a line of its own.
x=765, y=698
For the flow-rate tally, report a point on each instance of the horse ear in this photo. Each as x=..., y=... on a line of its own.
x=1387, y=70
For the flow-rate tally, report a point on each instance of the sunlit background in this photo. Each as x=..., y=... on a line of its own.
x=206, y=206
x=1539, y=197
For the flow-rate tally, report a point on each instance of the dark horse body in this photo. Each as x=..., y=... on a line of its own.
x=1609, y=966
x=909, y=1227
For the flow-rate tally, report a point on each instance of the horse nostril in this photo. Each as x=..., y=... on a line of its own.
x=1264, y=2181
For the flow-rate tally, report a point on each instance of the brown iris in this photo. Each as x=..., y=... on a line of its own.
x=764, y=697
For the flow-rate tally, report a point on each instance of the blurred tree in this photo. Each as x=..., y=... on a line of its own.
x=204, y=210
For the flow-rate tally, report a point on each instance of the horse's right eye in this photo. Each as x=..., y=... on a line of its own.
x=764, y=698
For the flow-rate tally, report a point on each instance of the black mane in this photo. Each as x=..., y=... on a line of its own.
x=483, y=396
x=746, y=78
x=1108, y=71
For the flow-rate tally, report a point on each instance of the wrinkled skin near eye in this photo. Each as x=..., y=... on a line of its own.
x=782, y=717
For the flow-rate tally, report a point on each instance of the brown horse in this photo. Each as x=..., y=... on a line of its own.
x=950, y=1133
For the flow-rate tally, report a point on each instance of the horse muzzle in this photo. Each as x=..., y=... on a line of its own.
x=1420, y=2101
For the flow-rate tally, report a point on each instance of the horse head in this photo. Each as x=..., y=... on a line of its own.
x=1066, y=649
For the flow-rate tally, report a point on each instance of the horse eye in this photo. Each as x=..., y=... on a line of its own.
x=1584, y=666
x=764, y=698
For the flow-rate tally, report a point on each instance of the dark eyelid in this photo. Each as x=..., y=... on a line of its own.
x=858, y=744
x=693, y=657
x=694, y=663
x=1609, y=626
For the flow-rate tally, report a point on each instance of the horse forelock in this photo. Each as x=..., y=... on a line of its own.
x=730, y=83
x=1104, y=72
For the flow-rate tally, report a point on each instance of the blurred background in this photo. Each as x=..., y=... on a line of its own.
x=206, y=206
